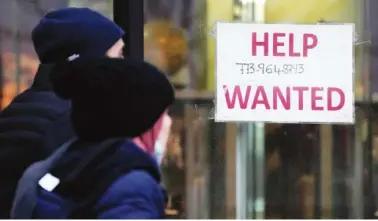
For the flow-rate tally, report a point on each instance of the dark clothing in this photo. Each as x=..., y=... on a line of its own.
x=133, y=195
x=68, y=31
x=111, y=99
x=31, y=127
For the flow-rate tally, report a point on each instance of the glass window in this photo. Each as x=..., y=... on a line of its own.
x=291, y=153
x=232, y=170
x=371, y=171
x=105, y=7
x=294, y=11
x=316, y=171
x=173, y=41
x=311, y=171
x=18, y=63
x=193, y=169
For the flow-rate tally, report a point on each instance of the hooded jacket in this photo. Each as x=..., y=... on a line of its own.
x=110, y=98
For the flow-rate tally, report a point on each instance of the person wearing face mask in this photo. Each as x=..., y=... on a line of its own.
x=37, y=121
x=154, y=141
x=109, y=171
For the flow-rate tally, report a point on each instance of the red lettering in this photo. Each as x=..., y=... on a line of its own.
x=264, y=99
x=341, y=104
x=292, y=53
x=237, y=95
x=307, y=45
x=239, y=98
x=315, y=98
x=300, y=91
x=287, y=47
x=277, y=94
x=264, y=44
x=277, y=43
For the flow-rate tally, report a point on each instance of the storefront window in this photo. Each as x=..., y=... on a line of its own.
x=174, y=42
x=293, y=171
x=18, y=60
x=315, y=171
x=105, y=7
x=193, y=168
x=230, y=170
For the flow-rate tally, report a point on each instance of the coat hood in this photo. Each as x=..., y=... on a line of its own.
x=112, y=97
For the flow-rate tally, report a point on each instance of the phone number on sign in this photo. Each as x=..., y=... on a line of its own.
x=262, y=68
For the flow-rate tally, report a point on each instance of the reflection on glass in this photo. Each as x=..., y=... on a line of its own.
x=312, y=171
x=17, y=59
x=289, y=175
x=375, y=172
x=170, y=44
x=173, y=40
x=28, y=68
x=319, y=171
x=173, y=170
x=374, y=168
x=165, y=46
x=105, y=7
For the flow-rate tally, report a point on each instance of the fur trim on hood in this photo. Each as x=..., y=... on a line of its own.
x=112, y=97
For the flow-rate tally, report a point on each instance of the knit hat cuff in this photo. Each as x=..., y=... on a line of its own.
x=106, y=40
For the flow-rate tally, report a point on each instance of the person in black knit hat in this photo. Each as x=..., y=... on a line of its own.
x=37, y=121
x=117, y=102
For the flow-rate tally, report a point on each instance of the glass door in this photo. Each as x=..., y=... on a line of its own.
x=250, y=171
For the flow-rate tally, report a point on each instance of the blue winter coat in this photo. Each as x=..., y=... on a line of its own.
x=134, y=195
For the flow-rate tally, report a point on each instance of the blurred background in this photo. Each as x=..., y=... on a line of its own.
x=218, y=170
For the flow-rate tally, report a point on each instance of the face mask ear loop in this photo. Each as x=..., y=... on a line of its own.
x=142, y=141
x=152, y=148
x=151, y=136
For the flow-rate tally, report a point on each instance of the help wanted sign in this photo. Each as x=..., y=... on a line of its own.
x=284, y=73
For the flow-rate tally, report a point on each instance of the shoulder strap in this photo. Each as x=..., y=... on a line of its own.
x=89, y=181
x=98, y=151
x=70, y=185
x=86, y=209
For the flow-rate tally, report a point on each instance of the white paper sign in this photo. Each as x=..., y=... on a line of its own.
x=285, y=73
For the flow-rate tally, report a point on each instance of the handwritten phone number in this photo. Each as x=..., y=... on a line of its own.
x=262, y=68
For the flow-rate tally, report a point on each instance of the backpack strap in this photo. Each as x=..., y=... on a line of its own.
x=86, y=210
x=89, y=181
x=98, y=151
x=71, y=186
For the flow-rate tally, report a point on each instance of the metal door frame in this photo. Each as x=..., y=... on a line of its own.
x=129, y=15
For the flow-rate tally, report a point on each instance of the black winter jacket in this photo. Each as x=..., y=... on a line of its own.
x=35, y=124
